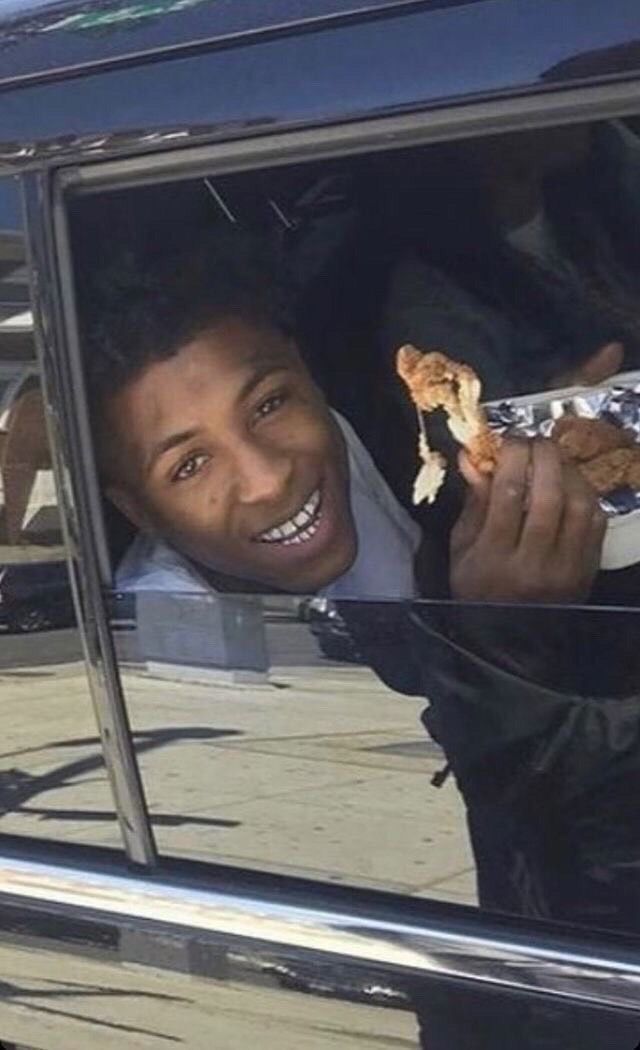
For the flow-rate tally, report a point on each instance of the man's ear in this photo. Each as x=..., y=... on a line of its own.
x=128, y=505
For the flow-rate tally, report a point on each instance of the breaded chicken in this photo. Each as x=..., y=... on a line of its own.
x=579, y=438
x=435, y=381
x=611, y=470
x=633, y=471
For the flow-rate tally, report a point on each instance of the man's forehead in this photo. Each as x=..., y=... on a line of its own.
x=234, y=347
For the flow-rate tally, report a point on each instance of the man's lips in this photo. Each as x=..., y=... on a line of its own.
x=300, y=527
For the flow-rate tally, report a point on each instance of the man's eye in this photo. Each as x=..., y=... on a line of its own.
x=271, y=404
x=190, y=467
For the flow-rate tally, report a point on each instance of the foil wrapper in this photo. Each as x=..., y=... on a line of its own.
x=535, y=417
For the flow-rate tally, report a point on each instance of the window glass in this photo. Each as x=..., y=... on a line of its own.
x=52, y=779
x=266, y=740
x=333, y=668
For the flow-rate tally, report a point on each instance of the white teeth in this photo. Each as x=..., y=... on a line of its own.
x=297, y=529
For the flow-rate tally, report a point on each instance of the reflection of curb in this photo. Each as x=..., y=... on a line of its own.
x=205, y=675
x=205, y=633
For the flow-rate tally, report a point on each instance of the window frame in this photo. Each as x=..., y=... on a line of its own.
x=70, y=441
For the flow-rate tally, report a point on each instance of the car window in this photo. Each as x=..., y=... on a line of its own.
x=333, y=668
x=52, y=779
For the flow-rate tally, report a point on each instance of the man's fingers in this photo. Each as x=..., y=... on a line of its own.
x=603, y=364
x=471, y=474
x=474, y=511
x=597, y=532
x=508, y=496
x=545, y=501
x=583, y=525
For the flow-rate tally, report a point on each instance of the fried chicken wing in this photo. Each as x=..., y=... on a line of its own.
x=609, y=471
x=581, y=439
x=431, y=474
x=633, y=471
x=435, y=381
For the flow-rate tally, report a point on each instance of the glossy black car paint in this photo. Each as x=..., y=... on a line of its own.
x=422, y=58
x=109, y=33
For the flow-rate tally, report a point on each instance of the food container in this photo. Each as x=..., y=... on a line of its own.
x=618, y=402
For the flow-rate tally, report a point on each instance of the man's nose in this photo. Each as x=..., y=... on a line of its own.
x=261, y=472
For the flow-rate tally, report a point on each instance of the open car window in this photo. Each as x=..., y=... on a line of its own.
x=326, y=676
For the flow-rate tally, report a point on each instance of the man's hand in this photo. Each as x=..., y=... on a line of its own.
x=596, y=369
x=533, y=532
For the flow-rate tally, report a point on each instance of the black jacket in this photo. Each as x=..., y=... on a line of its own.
x=538, y=713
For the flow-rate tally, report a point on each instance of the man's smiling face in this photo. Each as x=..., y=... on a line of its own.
x=228, y=451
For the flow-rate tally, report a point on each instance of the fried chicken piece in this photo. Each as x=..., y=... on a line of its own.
x=431, y=378
x=431, y=474
x=611, y=470
x=435, y=381
x=633, y=471
x=482, y=450
x=581, y=439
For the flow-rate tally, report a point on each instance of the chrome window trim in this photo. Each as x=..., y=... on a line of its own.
x=178, y=159
x=70, y=437
x=448, y=943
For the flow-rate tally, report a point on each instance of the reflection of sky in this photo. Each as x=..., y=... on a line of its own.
x=16, y=7
x=448, y=52
x=10, y=7
x=552, y=26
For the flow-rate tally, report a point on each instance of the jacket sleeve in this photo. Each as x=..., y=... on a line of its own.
x=550, y=776
x=549, y=768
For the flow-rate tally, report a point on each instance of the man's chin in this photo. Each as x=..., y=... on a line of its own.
x=300, y=577
x=316, y=578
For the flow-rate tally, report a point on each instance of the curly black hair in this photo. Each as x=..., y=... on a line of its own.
x=135, y=311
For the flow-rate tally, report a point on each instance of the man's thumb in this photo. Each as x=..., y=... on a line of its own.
x=602, y=365
x=474, y=479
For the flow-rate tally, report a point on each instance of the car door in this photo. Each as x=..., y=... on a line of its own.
x=264, y=840
x=310, y=785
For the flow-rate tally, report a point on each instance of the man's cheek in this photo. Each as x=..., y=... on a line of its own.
x=206, y=532
x=321, y=442
x=179, y=526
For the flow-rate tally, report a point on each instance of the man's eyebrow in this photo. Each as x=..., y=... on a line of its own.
x=262, y=368
x=167, y=443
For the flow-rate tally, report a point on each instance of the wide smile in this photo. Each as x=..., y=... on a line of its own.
x=299, y=528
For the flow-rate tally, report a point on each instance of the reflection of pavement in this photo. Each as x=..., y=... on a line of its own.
x=79, y=1003
x=41, y=649
x=322, y=772
x=17, y=554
